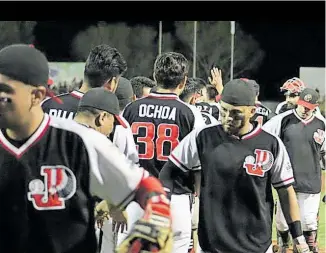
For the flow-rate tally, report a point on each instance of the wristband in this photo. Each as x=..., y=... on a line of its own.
x=295, y=229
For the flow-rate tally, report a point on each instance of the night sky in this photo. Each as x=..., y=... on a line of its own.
x=287, y=46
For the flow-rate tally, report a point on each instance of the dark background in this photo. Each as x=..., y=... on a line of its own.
x=287, y=46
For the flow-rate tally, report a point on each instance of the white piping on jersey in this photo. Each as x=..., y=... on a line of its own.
x=163, y=95
x=279, y=106
x=304, y=121
x=250, y=134
x=18, y=152
x=77, y=94
x=50, y=98
x=46, y=99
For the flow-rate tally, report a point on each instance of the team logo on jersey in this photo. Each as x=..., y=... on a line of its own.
x=259, y=164
x=319, y=136
x=58, y=185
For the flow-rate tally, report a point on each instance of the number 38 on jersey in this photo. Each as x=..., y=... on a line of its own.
x=154, y=140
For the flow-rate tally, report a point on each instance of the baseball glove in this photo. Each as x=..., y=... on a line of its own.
x=153, y=232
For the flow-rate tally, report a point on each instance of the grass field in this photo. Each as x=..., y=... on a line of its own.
x=322, y=222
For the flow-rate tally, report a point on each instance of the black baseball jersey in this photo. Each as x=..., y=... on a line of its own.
x=159, y=122
x=304, y=141
x=282, y=107
x=208, y=118
x=262, y=115
x=67, y=109
x=211, y=108
x=236, y=201
x=47, y=182
x=121, y=135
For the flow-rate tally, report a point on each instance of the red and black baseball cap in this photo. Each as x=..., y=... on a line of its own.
x=309, y=98
x=26, y=64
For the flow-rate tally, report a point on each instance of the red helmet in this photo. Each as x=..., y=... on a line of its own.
x=293, y=85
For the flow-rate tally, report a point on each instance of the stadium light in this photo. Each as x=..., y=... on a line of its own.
x=160, y=38
x=194, y=50
x=232, y=31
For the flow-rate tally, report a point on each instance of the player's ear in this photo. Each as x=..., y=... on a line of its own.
x=183, y=83
x=112, y=84
x=38, y=95
x=101, y=118
x=252, y=111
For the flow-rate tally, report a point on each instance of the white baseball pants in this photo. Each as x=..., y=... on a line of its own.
x=181, y=224
x=309, y=206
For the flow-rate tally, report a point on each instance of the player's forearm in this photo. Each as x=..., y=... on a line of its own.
x=150, y=192
x=290, y=208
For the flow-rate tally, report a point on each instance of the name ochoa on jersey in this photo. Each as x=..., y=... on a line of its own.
x=157, y=112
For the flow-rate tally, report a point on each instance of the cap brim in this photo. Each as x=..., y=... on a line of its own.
x=307, y=104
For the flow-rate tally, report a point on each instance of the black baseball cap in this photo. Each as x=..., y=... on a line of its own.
x=26, y=64
x=101, y=99
x=124, y=92
x=239, y=93
x=254, y=84
x=309, y=98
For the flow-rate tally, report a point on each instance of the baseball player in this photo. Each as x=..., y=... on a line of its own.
x=239, y=162
x=303, y=135
x=142, y=86
x=103, y=68
x=159, y=122
x=291, y=89
x=97, y=110
x=195, y=88
x=50, y=169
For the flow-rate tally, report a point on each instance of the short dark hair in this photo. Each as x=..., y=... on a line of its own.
x=170, y=69
x=88, y=110
x=103, y=63
x=140, y=82
x=192, y=87
x=211, y=92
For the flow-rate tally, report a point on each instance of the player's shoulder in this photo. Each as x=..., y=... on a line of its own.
x=122, y=122
x=272, y=139
x=48, y=102
x=263, y=107
x=89, y=136
x=283, y=115
x=280, y=107
x=208, y=128
x=208, y=118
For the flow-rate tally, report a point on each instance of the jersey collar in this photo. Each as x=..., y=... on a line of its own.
x=304, y=121
x=163, y=95
x=77, y=94
x=34, y=138
x=256, y=130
